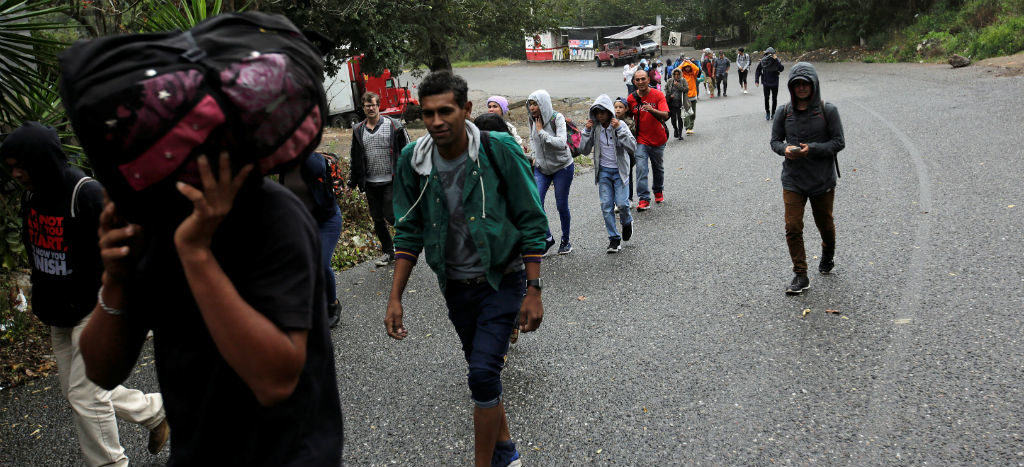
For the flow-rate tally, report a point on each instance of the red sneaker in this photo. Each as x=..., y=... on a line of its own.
x=643, y=205
x=659, y=197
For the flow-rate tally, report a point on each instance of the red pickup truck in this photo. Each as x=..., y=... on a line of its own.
x=613, y=53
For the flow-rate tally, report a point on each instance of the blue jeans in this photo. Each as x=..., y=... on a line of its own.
x=330, y=230
x=655, y=155
x=613, y=193
x=562, y=180
x=483, y=319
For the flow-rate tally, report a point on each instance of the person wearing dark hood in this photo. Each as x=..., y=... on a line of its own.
x=553, y=162
x=767, y=73
x=611, y=141
x=60, y=211
x=809, y=136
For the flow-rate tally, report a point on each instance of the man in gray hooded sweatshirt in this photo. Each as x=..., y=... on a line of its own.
x=552, y=160
x=809, y=136
x=611, y=141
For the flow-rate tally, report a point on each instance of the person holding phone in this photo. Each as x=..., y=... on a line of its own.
x=809, y=137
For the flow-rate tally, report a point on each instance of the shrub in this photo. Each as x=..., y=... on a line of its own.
x=1005, y=37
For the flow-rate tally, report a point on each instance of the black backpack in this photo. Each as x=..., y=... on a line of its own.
x=144, y=106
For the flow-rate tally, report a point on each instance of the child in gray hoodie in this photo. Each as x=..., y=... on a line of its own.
x=612, y=143
x=552, y=160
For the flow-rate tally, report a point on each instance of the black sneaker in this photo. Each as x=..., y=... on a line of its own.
x=800, y=283
x=548, y=244
x=565, y=248
x=826, y=264
x=627, y=231
x=334, y=314
x=773, y=115
x=614, y=246
x=767, y=116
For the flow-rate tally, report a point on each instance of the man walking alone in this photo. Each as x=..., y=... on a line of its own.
x=376, y=143
x=809, y=135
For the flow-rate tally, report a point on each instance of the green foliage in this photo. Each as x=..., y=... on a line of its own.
x=168, y=16
x=1005, y=37
x=406, y=34
x=12, y=249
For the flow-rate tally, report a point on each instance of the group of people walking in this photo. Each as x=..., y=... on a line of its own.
x=233, y=278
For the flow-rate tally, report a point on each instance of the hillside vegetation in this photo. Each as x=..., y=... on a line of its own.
x=897, y=31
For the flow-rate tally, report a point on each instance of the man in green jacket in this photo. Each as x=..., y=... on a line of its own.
x=469, y=198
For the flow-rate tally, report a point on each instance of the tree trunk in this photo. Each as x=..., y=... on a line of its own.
x=438, y=58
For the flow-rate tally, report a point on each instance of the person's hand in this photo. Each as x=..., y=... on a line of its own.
x=210, y=205
x=590, y=124
x=120, y=244
x=615, y=122
x=647, y=107
x=756, y=84
x=393, y=320
x=531, y=313
x=538, y=124
x=796, y=152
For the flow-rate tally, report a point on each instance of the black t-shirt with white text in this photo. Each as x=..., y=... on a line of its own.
x=63, y=251
x=268, y=246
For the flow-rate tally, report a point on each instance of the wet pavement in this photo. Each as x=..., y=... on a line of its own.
x=683, y=349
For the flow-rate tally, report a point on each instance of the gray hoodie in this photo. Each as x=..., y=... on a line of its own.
x=550, y=151
x=624, y=140
x=819, y=128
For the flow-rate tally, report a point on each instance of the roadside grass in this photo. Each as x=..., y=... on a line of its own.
x=484, y=63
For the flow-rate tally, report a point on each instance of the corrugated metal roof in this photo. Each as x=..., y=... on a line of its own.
x=634, y=32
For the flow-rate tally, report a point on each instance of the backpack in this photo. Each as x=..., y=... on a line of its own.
x=573, y=135
x=334, y=173
x=787, y=111
x=145, y=106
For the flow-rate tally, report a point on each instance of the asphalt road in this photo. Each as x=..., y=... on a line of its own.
x=683, y=348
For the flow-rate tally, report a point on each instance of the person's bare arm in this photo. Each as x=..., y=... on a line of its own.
x=267, y=358
x=531, y=313
x=110, y=344
x=393, y=317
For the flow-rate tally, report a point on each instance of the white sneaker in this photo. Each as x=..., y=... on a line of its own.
x=744, y=91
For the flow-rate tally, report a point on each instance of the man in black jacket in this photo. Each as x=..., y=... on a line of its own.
x=376, y=144
x=60, y=211
x=809, y=136
x=767, y=72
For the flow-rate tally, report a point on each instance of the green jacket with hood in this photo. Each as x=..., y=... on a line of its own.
x=500, y=202
x=625, y=143
x=820, y=128
x=549, y=148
